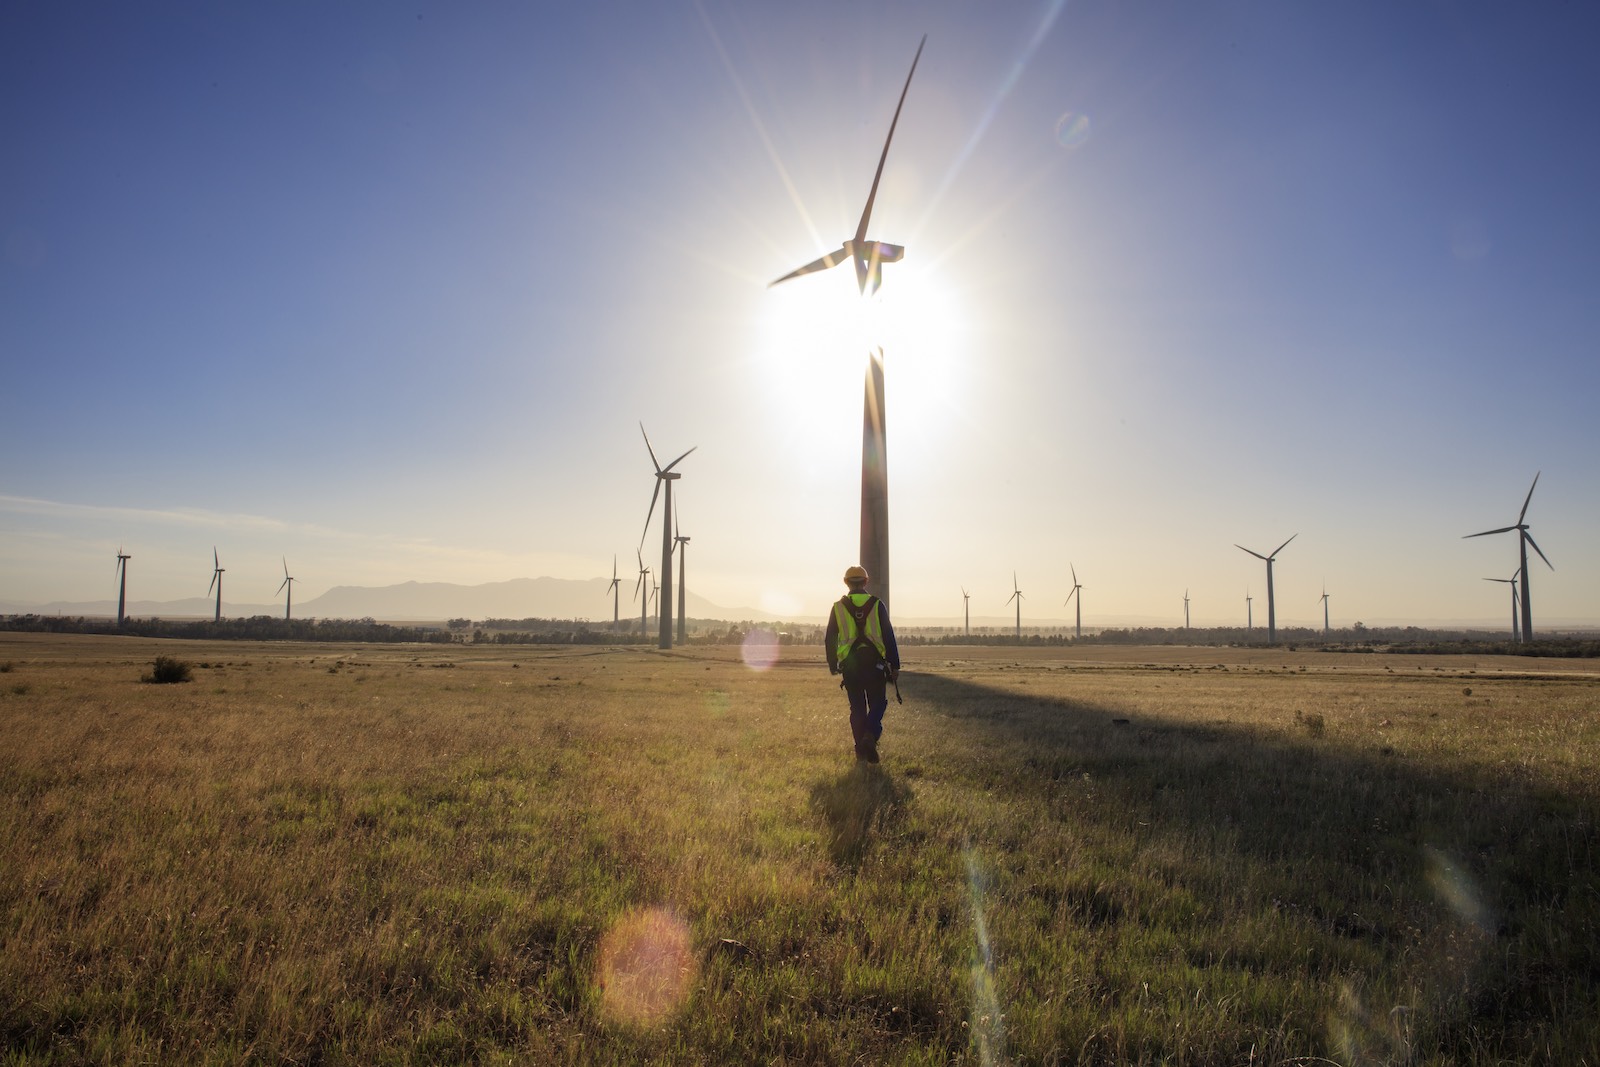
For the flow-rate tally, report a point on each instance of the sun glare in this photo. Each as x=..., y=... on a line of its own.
x=815, y=336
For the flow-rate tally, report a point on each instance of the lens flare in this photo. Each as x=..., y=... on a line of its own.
x=1072, y=130
x=1457, y=889
x=759, y=650
x=987, y=1024
x=646, y=967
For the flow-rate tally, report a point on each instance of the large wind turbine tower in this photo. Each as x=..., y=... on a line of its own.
x=1525, y=539
x=869, y=257
x=122, y=584
x=664, y=476
x=966, y=607
x=644, y=603
x=216, y=579
x=681, y=543
x=288, y=583
x=1078, y=629
x=1272, y=615
x=615, y=589
x=1016, y=594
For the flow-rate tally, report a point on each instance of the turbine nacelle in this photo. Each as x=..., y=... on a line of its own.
x=868, y=256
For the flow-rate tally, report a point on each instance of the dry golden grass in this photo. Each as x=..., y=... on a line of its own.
x=394, y=854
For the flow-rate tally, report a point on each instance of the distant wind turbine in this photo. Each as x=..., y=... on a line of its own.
x=966, y=607
x=216, y=579
x=644, y=603
x=869, y=257
x=1249, y=614
x=664, y=476
x=122, y=584
x=288, y=583
x=615, y=590
x=1016, y=594
x=681, y=543
x=1272, y=615
x=1078, y=630
x=1525, y=539
x=1324, y=610
x=1516, y=631
x=1186, y=609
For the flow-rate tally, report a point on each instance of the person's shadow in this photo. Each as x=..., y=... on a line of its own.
x=861, y=800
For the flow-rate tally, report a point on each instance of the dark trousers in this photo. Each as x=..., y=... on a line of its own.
x=867, y=688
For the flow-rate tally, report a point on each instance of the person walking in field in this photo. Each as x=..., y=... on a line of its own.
x=861, y=646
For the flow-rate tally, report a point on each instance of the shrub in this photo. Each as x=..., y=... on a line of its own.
x=168, y=669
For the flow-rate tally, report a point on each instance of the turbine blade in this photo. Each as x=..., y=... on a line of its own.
x=280, y=587
x=832, y=259
x=1536, y=548
x=866, y=214
x=1074, y=575
x=286, y=566
x=1241, y=548
x=650, y=515
x=213, y=583
x=1070, y=595
x=677, y=461
x=1280, y=548
x=215, y=562
x=1486, y=533
x=652, y=451
x=1523, y=513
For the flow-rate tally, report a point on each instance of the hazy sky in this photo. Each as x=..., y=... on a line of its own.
x=388, y=289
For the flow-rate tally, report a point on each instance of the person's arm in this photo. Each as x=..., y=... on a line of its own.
x=830, y=642
x=890, y=646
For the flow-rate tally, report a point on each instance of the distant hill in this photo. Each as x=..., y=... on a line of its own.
x=519, y=598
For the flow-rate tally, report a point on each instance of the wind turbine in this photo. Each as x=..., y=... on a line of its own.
x=869, y=257
x=122, y=584
x=216, y=579
x=1186, y=609
x=966, y=607
x=644, y=604
x=664, y=476
x=1272, y=615
x=615, y=590
x=1516, y=632
x=288, y=583
x=1526, y=539
x=1324, y=610
x=1249, y=613
x=1078, y=632
x=1016, y=594
x=681, y=543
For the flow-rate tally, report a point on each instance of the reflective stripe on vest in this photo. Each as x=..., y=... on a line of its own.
x=845, y=613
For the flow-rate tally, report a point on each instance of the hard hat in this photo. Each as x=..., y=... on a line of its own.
x=855, y=574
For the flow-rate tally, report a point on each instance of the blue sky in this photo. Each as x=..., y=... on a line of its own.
x=388, y=290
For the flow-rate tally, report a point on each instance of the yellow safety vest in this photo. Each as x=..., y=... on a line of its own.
x=855, y=620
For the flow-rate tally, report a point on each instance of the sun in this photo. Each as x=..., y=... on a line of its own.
x=814, y=338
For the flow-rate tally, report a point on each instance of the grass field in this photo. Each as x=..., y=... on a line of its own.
x=408, y=854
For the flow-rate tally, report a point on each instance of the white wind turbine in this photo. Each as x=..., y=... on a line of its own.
x=869, y=257
x=1016, y=594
